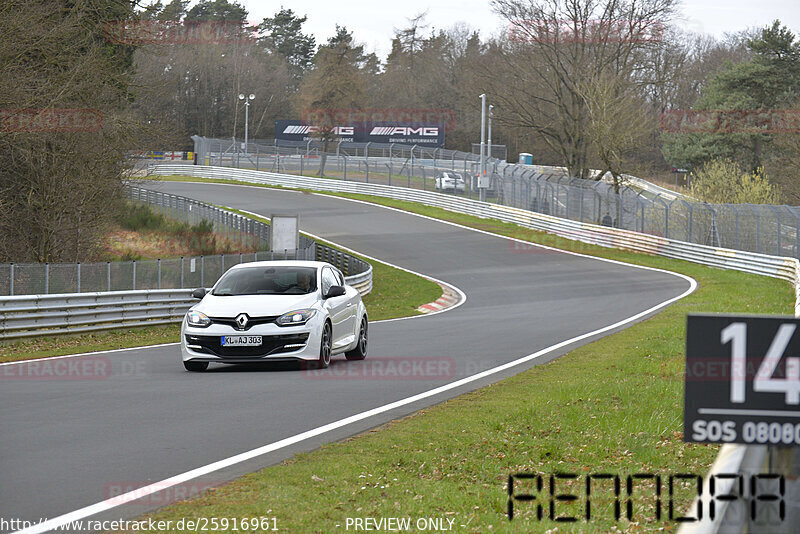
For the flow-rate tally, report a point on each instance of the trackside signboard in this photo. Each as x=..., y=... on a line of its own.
x=742, y=381
x=409, y=133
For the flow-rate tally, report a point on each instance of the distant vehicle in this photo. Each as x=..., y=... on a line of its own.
x=451, y=181
x=275, y=310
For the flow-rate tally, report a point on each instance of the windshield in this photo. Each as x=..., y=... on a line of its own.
x=267, y=281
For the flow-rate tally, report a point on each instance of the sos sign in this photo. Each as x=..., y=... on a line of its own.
x=742, y=381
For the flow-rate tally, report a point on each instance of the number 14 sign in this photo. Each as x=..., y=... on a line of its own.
x=742, y=381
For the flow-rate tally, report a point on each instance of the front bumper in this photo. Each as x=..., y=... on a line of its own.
x=277, y=343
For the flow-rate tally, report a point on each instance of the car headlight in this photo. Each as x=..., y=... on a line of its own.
x=296, y=317
x=197, y=319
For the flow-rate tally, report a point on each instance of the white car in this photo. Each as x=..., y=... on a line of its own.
x=450, y=181
x=272, y=311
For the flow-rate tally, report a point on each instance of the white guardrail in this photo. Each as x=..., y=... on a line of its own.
x=26, y=316
x=732, y=458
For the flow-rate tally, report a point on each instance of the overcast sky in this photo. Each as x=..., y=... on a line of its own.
x=373, y=22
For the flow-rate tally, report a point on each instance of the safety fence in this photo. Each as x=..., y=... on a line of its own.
x=28, y=316
x=630, y=205
x=171, y=273
x=732, y=458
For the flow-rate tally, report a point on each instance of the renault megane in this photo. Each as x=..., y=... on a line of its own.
x=275, y=310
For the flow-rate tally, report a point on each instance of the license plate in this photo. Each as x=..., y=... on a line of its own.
x=241, y=341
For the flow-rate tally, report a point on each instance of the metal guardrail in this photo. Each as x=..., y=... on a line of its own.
x=732, y=458
x=26, y=316
x=72, y=313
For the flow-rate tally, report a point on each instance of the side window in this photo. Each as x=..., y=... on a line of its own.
x=328, y=279
x=339, y=277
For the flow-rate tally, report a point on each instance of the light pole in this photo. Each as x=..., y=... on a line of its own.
x=250, y=97
x=481, y=188
x=489, y=136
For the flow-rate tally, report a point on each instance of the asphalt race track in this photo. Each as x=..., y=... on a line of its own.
x=140, y=418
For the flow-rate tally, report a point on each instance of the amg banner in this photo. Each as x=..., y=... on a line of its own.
x=425, y=134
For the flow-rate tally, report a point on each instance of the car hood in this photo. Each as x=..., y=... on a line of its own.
x=254, y=305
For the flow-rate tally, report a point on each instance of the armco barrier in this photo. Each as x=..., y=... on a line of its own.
x=39, y=315
x=732, y=458
x=27, y=316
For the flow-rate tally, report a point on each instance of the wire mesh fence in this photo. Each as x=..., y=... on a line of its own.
x=173, y=273
x=550, y=190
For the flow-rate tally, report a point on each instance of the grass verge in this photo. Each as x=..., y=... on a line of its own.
x=613, y=406
x=44, y=347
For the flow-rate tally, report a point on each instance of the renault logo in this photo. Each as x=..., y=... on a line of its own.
x=241, y=321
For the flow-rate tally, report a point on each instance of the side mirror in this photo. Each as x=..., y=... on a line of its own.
x=199, y=293
x=334, y=291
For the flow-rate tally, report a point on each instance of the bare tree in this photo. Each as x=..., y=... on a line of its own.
x=619, y=124
x=65, y=132
x=534, y=73
x=336, y=82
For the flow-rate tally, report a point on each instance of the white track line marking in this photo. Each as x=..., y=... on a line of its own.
x=131, y=496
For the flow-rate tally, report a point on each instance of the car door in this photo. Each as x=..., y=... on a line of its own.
x=337, y=307
x=353, y=298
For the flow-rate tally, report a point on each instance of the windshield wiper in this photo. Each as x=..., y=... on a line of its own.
x=223, y=294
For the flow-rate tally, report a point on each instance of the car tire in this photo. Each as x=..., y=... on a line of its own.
x=360, y=352
x=325, y=347
x=195, y=367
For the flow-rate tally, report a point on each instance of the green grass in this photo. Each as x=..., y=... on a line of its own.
x=141, y=217
x=43, y=347
x=612, y=406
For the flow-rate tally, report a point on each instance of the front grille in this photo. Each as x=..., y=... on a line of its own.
x=251, y=321
x=269, y=345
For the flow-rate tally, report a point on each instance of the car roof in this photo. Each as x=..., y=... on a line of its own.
x=282, y=263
